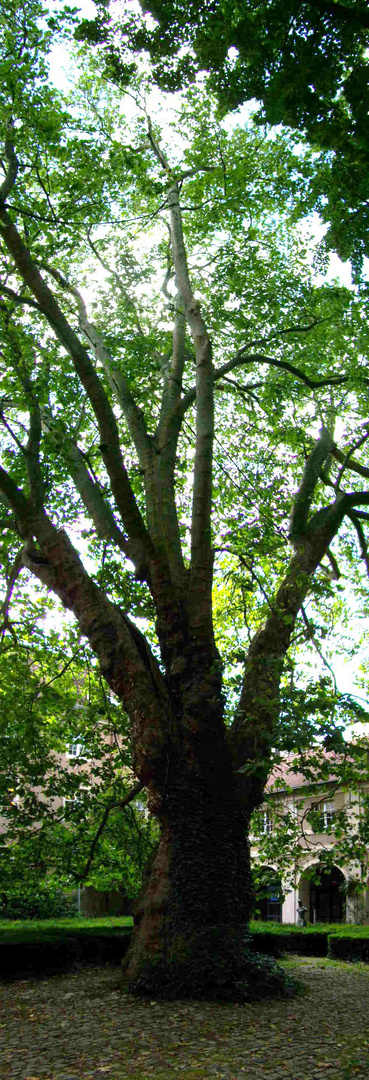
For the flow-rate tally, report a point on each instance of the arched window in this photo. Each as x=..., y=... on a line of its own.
x=268, y=894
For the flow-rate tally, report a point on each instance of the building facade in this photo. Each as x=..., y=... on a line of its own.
x=317, y=812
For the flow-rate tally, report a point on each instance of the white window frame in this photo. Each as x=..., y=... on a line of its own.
x=267, y=823
x=72, y=801
x=74, y=750
x=328, y=813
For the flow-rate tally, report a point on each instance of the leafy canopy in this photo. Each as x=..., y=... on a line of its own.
x=305, y=63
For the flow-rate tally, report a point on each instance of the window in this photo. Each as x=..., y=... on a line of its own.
x=9, y=798
x=322, y=816
x=266, y=823
x=70, y=802
x=74, y=750
x=328, y=814
x=74, y=802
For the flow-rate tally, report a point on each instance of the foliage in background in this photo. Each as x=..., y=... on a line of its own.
x=65, y=768
x=303, y=64
x=313, y=748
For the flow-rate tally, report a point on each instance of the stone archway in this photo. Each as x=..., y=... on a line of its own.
x=269, y=895
x=327, y=902
x=325, y=899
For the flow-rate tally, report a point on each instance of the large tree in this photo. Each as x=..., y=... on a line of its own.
x=137, y=280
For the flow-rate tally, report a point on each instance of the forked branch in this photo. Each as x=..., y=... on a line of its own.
x=304, y=495
x=251, y=735
x=117, y=381
x=97, y=507
x=110, y=444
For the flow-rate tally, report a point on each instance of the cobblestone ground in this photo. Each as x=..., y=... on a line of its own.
x=80, y=1026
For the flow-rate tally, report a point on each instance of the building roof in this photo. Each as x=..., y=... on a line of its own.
x=330, y=767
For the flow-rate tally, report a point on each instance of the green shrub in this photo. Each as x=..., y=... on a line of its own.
x=42, y=902
x=350, y=944
x=39, y=946
x=38, y=957
x=57, y=929
x=281, y=939
x=35, y=948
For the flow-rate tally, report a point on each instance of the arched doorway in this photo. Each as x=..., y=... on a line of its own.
x=327, y=901
x=268, y=894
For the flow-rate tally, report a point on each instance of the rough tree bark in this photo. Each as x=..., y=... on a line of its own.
x=190, y=937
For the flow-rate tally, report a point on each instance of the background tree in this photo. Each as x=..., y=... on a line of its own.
x=68, y=798
x=134, y=461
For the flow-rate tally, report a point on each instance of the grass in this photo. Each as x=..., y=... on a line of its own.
x=288, y=928
x=295, y=962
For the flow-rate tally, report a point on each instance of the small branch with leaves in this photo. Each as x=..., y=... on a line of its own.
x=118, y=804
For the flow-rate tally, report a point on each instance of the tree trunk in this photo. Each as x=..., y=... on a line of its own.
x=190, y=937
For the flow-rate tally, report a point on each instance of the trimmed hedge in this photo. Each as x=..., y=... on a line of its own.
x=34, y=958
x=349, y=942
x=38, y=948
x=34, y=949
x=42, y=929
x=349, y=945
x=282, y=938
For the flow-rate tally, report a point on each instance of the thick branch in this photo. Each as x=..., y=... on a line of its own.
x=349, y=463
x=361, y=538
x=126, y=660
x=302, y=501
x=355, y=498
x=32, y=451
x=12, y=170
x=157, y=464
x=16, y=500
x=117, y=381
x=160, y=479
x=172, y=377
x=97, y=507
x=110, y=447
x=241, y=358
x=252, y=732
x=18, y=299
x=15, y=570
x=201, y=573
x=335, y=572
